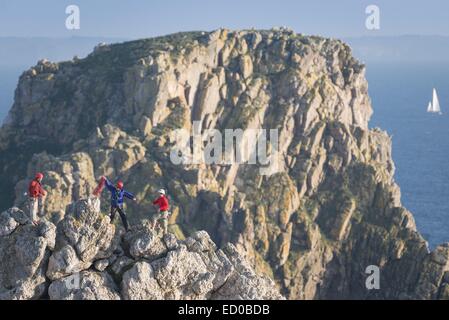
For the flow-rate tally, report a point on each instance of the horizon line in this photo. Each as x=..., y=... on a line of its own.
x=64, y=37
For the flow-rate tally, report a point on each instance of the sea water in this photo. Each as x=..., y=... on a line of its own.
x=400, y=94
x=9, y=77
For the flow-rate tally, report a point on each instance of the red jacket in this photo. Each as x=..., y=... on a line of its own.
x=162, y=202
x=35, y=189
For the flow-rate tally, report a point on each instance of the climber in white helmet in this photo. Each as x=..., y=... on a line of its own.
x=162, y=203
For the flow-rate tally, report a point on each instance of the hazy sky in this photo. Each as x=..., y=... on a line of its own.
x=140, y=18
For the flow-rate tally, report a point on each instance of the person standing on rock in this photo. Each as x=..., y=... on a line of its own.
x=37, y=196
x=162, y=214
x=118, y=193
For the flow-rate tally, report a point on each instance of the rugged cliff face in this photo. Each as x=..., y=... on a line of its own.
x=330, y=210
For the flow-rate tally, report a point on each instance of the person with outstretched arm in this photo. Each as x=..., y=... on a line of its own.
x=118, y=193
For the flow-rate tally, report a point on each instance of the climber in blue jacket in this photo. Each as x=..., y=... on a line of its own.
x=117, y=196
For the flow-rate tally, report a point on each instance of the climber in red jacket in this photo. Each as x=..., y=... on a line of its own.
x=36, y=196
x=162, y=214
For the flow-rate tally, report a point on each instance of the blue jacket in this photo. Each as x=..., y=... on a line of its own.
x=117, y=195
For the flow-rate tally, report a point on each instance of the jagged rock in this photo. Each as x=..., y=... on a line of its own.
x=195, y=271
x=101, y=265
x=86, y=285
x=178, y=272
x=88, y=230
x=440, y=255
x=64, y=262
x=85, y=235
x=48, y=231
x=66, y=179
x=139, y=283
x=121, y=265
x=144, y=243
x=200, y=242
x=24, y=254
x=113, y=151
x=18, y=215
x=244, y=284
x=170, y=241
x=7, y=223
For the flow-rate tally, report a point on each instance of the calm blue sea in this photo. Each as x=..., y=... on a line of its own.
x=9, y=77
x=399, y=94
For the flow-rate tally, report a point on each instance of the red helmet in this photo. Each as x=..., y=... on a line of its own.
x=39, y=176
x=120, y=184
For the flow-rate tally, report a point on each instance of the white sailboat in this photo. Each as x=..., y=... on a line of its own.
x=434, y=105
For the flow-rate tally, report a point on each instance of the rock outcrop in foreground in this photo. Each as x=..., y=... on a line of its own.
x=331, y=210
x=86, y=258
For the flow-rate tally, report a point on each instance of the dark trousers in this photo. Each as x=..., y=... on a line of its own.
x=122, y=216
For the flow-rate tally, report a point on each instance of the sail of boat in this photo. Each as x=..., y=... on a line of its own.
x=434, y=105
x=435, y=102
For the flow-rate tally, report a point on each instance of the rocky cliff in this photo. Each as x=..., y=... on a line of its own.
x=330, y=210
